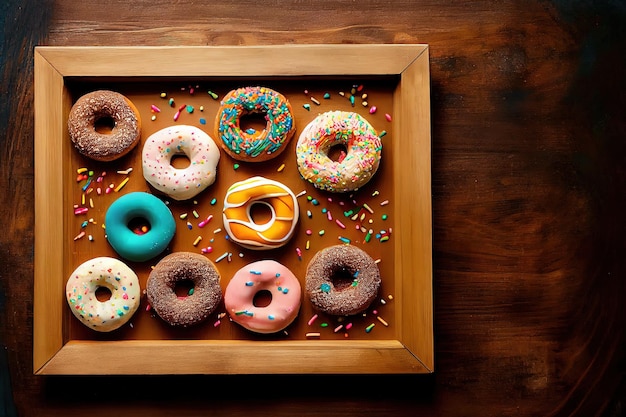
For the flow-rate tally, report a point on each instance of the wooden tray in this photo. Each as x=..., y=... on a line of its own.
x=406, y=346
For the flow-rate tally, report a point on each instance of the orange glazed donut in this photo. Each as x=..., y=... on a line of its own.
x=104, y=108
x=238, y=219
x=252, y=145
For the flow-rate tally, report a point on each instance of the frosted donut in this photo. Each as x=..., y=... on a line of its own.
x=143, y=209
x=342, y=280
x=352, y=170
x=252, y=145
x=118, y=279
x=275, y=280
x=107, y=109
x=184, y=266
x=195, y=144
x=238, y=219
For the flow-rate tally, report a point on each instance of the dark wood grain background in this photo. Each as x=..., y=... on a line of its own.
x=529, y=148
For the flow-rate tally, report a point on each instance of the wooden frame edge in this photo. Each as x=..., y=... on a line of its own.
x=47, y=332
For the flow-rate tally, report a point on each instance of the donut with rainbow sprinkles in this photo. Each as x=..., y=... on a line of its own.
x=354, y=167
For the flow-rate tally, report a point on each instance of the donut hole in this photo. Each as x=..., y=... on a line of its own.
x=103, y=294
x=341, y=279
x=184, y=288
x=180, y=161
x=260, y=213
x=250, y=123
x=139, y=225
x=104, y=124
x=337, y=152
x=262, y=298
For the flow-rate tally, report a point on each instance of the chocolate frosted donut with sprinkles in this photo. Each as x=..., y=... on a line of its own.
x=104, y=125
x=342, y=280
x=354, y=167
x=174, y=269
x=252, y=145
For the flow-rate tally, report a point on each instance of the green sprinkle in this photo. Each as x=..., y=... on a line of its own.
x=326, y=95
x=236, y=166
x=213, y=95
x=383, y=133
x=307, y=106
x=190, y=291
x=384, y=217
x=369, y=328
x=323, y=324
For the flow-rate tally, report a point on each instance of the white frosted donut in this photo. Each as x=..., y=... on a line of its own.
x=109, y=273
x=195, y=144
x=355, y=168
x=281, y=285
x=238, y=219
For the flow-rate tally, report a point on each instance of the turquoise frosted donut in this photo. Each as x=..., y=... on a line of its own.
x=142, y=208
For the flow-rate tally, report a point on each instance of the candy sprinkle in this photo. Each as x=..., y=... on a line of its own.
x=369, y=328
x=122, y=184
x=313, y=334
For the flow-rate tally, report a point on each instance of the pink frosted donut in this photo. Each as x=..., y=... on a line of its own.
x=272, y=278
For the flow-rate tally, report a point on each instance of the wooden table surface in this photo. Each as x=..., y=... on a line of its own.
x=528, y=177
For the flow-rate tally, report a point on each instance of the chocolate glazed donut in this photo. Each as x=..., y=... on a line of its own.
x=106, y=108
x=174, y=269
x=342, y=280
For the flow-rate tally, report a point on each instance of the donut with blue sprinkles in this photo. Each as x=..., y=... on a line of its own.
x=253, y=145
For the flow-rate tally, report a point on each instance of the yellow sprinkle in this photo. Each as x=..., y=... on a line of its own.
x=82, y=199
x=122, y=184
x=183, y=216
x=281, y=167
x=198, y=239
x=307, y=245
x=380, y=319
x=81, y=170
x=91, y=202
x=195, y=214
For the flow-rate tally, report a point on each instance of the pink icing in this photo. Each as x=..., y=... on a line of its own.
x=265, y=275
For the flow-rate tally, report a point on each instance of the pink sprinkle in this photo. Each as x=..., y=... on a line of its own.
x=348, y=326
x=81, y=210
x=388, y=117
x=79, y=236
x=312, y=319
x=330, y=216
x=373, y=109
x=148, y=307
x=155, y=108
x=217, y=323
x=299, y=252
x=205, y=222
x=343, y=226
x=338, y=328
x=208, y=249
x=177, y=115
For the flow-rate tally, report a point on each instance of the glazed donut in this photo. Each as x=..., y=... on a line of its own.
x=252, y=145
x=180, y=184
x=147, y=210
x=338, y=128
x=104, y=107
x=115, y=276
x=342, y=280
x=238, y=219
x=263, y=276
x=184, y=266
